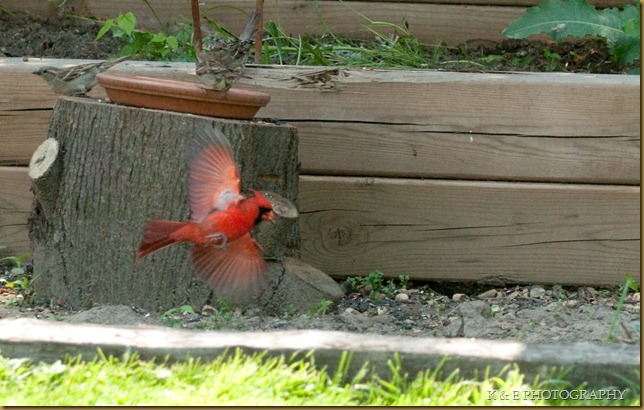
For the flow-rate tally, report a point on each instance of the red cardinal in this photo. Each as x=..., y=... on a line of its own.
x=225, y=256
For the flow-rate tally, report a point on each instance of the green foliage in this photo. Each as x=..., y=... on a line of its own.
x=577, y=18
x=21, y=284
x=172, y=317
x=222, y=316
x=24, y=293
x=495, y=310
x=5, y=10
x=319, y=308
x=397, y=49
x=14, y=261
x=552, y=60
x=288, y=310
x=374, y=284
x=629, y=285
x=147, y=45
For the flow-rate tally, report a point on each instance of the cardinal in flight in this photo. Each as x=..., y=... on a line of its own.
x=224, y=255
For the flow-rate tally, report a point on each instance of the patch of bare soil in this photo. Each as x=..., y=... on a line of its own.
x=528, y=313
x=523, y=313
x=23, y=35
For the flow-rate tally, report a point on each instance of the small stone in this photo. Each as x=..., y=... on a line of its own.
x=387, y=320
x=475, y=309
x=454, y=326
x=457, y=296
x=571, y=303
x=291, y=282
x=351, y=311
x=382, y=310
x=537, y=292
x=512, y=295
x=488, y=294
x=557, y=291
x=207, y=310
x=402, y=297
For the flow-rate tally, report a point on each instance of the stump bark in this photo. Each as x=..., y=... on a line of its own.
x=115, y=167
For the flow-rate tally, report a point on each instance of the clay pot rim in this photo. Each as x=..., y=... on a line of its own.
x=180, y=89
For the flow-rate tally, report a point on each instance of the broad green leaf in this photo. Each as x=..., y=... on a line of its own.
x=106, y=27
x=172, y=42
x=627, y=49
x=187, y=309
x=127, y=22
x=562, y=18
x=158, y=38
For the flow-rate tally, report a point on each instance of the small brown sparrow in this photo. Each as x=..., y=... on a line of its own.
x=223, y=61
x=76, y=80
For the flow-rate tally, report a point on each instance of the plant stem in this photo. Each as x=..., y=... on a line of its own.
x=196, y=24
x=259, y=7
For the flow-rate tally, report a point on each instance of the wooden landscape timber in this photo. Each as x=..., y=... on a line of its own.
x=450, y=22
x=493, y=232
x=522, y=126
x=523, y=177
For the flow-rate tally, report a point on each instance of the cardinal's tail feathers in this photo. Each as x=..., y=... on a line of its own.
x=157, y=235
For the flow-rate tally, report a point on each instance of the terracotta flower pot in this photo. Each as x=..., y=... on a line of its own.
x=181, y=96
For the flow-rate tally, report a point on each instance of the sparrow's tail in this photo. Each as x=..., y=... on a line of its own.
x=250, y=29
x=112, y=63
x=157, y=235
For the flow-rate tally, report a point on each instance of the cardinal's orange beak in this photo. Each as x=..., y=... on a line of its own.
x=268, y=216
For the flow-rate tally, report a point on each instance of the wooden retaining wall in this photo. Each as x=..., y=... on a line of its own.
x=448, y=21
x=442, y=176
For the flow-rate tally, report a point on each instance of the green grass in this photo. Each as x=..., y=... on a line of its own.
x=239, y=379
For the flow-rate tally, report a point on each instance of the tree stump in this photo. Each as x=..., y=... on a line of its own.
x=115, y=167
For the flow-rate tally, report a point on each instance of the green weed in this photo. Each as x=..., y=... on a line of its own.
x=319, y=308
x=221, y=317
x=552, y=60
x=374, y=283
x=22, y=284
x=629, y=285
x=15, y=262
x=147, y=45
x=172, y=317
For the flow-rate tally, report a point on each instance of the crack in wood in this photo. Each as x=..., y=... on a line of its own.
x=275, y=289
x=570, y=241
x=460, y=227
